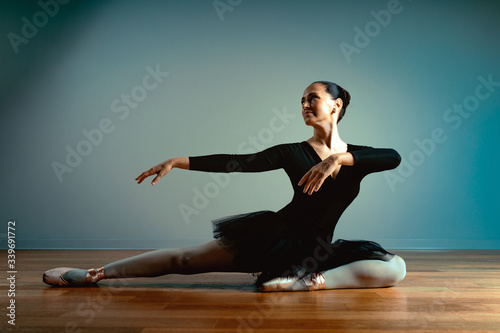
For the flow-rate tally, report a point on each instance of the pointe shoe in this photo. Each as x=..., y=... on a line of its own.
x=55, y=277
x=313, y=281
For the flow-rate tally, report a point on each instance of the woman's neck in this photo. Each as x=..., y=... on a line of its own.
x=327, y=137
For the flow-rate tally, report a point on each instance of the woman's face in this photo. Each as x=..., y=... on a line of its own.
x=318, y=105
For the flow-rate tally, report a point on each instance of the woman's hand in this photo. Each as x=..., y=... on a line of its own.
x=159, y=170
x=315, y=177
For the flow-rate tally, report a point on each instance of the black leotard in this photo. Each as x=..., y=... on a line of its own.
x=277, y=243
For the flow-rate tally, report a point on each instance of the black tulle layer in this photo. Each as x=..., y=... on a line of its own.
x=262, y=242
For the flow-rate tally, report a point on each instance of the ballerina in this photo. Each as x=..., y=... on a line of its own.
x=289, y=249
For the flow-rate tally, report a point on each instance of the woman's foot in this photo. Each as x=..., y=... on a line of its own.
x=65, y=276
x=313, y=281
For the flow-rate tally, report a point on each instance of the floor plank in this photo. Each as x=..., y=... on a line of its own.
x=452, y=291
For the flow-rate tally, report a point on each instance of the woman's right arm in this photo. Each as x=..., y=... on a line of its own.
x=271, y=158
x=268, y=159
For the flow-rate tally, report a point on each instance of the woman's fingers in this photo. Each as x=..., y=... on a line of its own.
x=304, y=178
x=315, y=184
x=145, y=175
x=155, y=180
x=307, y=178
x=161, y=173
x=159, y=170
x=315, y=177
x=159, y=176
x=311, y=180
x=140, y=178
x=319, y=184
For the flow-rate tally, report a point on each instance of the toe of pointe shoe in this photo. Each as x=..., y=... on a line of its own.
x=54, y=277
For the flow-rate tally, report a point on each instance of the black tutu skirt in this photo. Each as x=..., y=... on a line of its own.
x=263, y=243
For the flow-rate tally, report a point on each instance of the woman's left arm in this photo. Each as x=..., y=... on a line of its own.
x=375, y=159
x=366, y=160
x=315, y=177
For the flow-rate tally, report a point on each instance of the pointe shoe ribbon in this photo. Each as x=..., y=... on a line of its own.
x=55, y=276
x=315, y=281
x=96, y=274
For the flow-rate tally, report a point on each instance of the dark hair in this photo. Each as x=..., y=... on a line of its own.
x=337, y=91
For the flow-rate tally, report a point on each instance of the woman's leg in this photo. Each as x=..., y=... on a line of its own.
x=357, y=274
x=366, y=274
x=209, y=257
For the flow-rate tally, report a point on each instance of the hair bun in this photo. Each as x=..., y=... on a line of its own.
x=346, y=98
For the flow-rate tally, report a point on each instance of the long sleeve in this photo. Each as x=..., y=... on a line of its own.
x=371, y=159
x=269, y=159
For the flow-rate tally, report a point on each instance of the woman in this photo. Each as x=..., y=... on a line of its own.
x=291, y=248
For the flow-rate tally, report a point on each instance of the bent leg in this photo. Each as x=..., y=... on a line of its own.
x=366, y=274
x=371, y=273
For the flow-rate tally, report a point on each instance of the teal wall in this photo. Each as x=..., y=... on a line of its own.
x=229, y=78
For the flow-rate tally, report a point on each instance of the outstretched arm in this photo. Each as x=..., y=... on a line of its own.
x=269, y=159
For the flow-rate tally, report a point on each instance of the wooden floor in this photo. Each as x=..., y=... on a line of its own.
x=452, y=291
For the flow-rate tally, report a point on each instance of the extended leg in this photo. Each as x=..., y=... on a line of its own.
x=209, y=257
